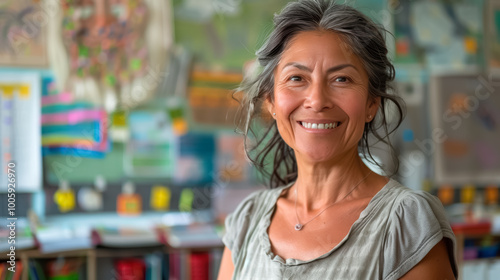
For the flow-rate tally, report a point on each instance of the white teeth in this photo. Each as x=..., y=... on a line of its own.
x=320, y=125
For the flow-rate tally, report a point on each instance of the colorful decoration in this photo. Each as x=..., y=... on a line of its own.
x=89, y=199
x=160, y=198
x=491, y=194
x=64, y=197
x=71, y=127
x=186, y=200
x=104, y=40
x=468, y=193
x=129, y=203
x=107, y=54
x=446, y=194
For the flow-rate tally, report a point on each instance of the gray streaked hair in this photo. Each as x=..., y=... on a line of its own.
x=360, y=36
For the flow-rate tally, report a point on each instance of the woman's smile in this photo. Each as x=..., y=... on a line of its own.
x=319, y=126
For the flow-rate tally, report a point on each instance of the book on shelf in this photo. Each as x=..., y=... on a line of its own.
x=24, y=240
x=191, y=236
x=155, y=266
x=57, y=239
x=199, y=265
x=124, y=237
x=130, y=269
x=6, y=274
x=35, y=270
x=194, y=265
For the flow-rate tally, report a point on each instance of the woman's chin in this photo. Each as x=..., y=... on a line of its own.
x=322, y=153
x=316, y=156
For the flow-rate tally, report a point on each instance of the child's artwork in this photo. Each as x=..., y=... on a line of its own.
x=440, y=34
x=22, y=33
x=465, y=129
x=111, y=52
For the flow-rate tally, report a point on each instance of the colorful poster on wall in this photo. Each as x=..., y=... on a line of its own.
x=22, y=33
x=465, y=129
x=210, y=98
x=20, y=130
x=153, y=146
x=110, y=53
x=456, y=44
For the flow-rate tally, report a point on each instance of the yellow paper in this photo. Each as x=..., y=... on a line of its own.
x=180, y=126
x=160, y=198
x=470, y=45
x=8, y=90
x=24, y=91
x=119, y=119
x=65, y=200
x=468, y=193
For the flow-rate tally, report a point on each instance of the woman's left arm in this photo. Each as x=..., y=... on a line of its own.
x=434, y=266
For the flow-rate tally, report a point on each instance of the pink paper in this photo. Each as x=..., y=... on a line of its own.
x=73, y=117
x=58, y=98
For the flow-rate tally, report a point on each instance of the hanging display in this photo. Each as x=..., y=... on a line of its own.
x=110, y=52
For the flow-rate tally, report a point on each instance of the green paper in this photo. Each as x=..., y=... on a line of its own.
x=135, y=64
x=186, y=200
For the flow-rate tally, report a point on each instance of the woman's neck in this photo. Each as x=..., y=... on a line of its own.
x=322, y=184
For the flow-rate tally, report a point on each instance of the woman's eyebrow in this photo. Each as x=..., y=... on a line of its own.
x=332, y=69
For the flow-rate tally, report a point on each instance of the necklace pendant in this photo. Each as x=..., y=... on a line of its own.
x=298, y=227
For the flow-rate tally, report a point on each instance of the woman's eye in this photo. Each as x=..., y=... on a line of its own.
x=341, y=79
x=295, y=78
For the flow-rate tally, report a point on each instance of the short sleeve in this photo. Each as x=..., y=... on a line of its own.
x=418, y=223
x=237, y=224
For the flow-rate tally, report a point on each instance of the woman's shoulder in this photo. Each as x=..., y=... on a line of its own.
x=246, y=218
x=401, y=196
x=257, y=201
x=417, y=222
x=409, y=199
x=401, y=206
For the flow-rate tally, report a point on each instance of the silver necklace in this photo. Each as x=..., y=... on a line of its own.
x=300, y=226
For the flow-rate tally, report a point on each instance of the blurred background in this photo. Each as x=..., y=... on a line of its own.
x=119, y=157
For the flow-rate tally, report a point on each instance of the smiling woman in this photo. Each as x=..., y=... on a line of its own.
x=325, y=82
x=318, y=85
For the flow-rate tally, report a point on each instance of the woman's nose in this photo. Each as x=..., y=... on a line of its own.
x=317, y=98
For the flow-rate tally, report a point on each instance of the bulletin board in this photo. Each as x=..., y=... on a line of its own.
x=465, y=128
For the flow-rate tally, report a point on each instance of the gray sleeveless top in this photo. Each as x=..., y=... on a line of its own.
x=392, y=234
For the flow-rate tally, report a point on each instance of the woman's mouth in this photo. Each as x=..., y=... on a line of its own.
x=311, y=125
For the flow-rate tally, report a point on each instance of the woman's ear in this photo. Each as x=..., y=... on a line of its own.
x=372, y=107
x=268, y=103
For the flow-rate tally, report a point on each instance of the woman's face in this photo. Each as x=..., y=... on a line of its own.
x=321, y=97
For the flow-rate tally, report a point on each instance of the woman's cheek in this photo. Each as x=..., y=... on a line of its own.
x=287, y=103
